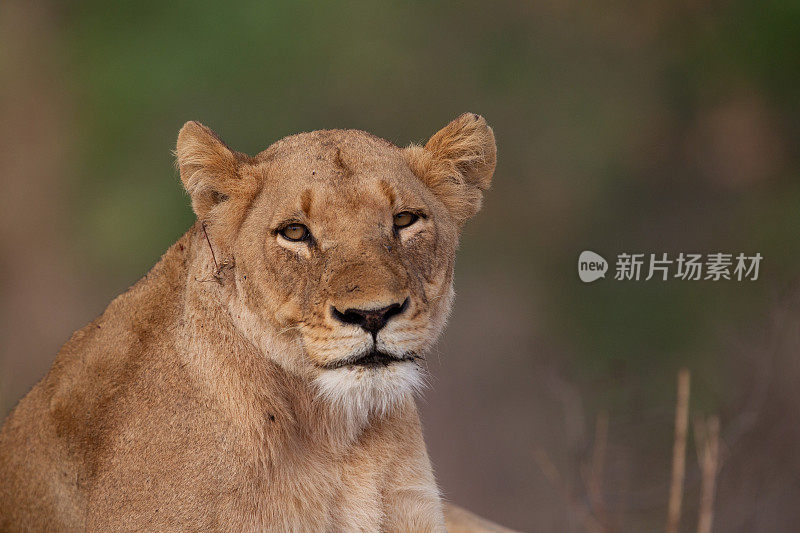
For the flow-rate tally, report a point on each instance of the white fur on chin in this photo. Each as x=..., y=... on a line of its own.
x=359, y=392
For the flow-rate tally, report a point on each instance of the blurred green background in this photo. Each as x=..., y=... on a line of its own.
x=642, y=127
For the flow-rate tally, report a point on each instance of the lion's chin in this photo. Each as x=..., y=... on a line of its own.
x=370, y=390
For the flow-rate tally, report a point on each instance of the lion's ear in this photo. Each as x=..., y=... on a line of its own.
x=209, y=169
x=457, y=163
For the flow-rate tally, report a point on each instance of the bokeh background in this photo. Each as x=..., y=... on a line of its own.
x=660, y=126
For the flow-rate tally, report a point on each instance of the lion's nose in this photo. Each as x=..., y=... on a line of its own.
x=371, y=320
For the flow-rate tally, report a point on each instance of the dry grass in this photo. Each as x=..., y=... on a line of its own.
x=593, y=517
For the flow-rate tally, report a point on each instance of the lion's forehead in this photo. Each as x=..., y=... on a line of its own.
x=336, y=147
x=348, y=171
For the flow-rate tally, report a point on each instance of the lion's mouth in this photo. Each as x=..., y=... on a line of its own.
x=373, y=359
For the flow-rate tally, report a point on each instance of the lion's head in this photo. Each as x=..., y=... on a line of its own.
x=341, y=245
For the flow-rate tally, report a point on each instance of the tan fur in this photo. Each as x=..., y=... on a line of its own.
x=209, y=395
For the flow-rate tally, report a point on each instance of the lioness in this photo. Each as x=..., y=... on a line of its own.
x=261, y=375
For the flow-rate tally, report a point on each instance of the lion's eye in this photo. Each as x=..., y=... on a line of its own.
x=295, y=232
x=404, y=219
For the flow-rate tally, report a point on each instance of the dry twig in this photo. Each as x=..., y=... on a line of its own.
x=679, y=452
x=706, y=436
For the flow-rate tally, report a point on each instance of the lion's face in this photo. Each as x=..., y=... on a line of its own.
x=342, y=245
